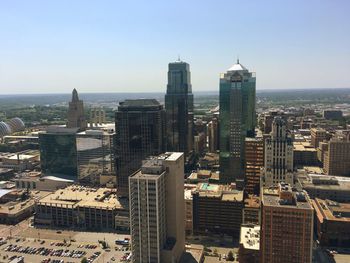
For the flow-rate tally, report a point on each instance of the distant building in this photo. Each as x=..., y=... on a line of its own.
x=82, y=207
x=249, y=244
x=217, y=209
x=12, y=126
x=337, y=157
x=213, y=135
x=189, y=188
x=237, y=121
x=179, y=108
x=95, y=156
x=286, y=225
x=156, y=194
x=254, y=162
x=317, y=135
x=278, y=164
x=58, y=152
x=21, y=161
x=322, y=186
x=76, y=117
x=332, y=223
x=140, y=133
x=97, y=117
x=332, y=114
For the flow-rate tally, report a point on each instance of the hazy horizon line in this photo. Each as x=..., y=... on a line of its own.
x=157, y=92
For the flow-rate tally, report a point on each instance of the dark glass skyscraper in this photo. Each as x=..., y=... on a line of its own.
x=140, y=132
x=58, y=152
x=179, y=108
x=237, y=120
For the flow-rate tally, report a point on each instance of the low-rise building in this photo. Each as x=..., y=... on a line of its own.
x=35, y=181
x=332, y=223
x=81, y=207
x=249, y=244
x=322, y=186
x=217, y=209
x=17, y=205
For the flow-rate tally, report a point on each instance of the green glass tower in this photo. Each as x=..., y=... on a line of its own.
x=237, y=120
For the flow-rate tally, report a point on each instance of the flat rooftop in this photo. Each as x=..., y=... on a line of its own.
x=225, y=192
x=331, y=210
x=250, y=237
x=80, y=196
x=325, y=182
x=252, y=201
x=271, y=197
x=14, y=207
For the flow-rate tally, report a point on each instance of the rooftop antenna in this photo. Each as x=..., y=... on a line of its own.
x=237, y=59
x=178, y=58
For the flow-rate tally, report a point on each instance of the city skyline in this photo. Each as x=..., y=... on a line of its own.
x=48, y=48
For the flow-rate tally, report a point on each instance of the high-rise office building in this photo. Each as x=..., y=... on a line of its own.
x=254, y=162
x=58, y=152
x=76, y=118
x=95, y=156
x=157, y=210
x=140, y=132
x=286, y=225
x=179, y=108
x=237, y=120
x=278, y=163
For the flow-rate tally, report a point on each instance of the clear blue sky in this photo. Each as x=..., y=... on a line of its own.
x=121, y=46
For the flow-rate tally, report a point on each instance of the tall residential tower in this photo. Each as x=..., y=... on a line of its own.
x=237, y=120
x=157, y=210
x=179, y=108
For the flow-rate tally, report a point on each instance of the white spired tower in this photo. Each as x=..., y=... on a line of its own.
x=278, y=163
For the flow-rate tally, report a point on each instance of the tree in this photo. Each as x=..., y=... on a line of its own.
x=84, y=260
x=230, y=256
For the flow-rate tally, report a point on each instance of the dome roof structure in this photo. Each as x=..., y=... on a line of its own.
x=16, y=124
x=5, y=129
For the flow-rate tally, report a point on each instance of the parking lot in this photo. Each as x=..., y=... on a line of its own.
x=59, y=246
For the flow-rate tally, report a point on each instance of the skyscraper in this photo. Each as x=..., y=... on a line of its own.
x=179, y=108
x=286, y=225
x=237, y=120
x=278, y=163
x=58, y=152
x=157, y=210
x=76, y=118
x=140, y=132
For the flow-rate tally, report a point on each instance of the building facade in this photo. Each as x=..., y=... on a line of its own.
x=286, y=225
x=157, y=206
x=237, y=120
x=179, y=108
x=217, y=209
x=254, y=162
x=317, y=135
x=140, y=133
x=337, y=157
x=76, y=117
x=95, y=155
x=213, y=135
x=278, y=163
x=58, y=152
